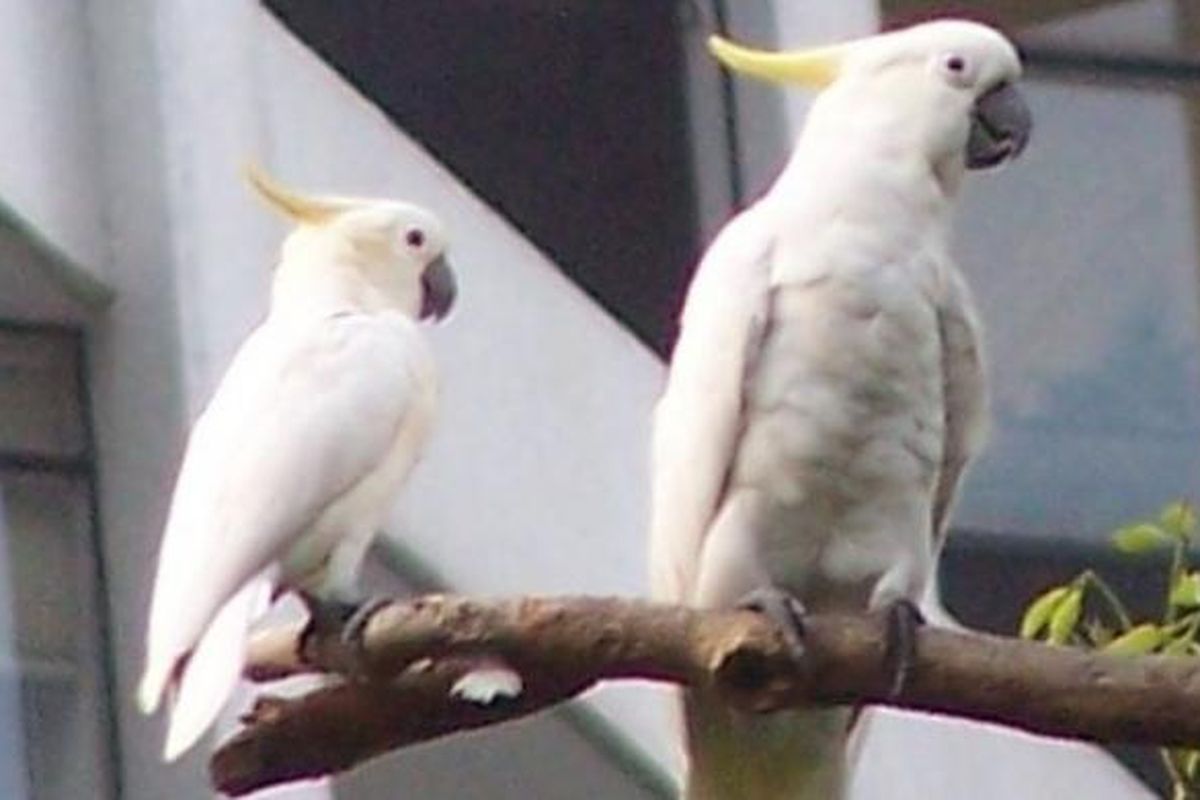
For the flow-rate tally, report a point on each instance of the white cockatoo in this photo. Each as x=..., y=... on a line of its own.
x=292, y=467
x=826, y=392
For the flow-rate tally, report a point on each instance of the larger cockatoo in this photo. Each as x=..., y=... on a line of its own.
x=826, y=392
x=299, y=454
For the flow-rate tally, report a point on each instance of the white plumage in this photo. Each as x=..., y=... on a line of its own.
x=293, y=465
x=826, y=391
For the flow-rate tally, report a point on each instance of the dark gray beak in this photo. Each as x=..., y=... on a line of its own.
x=438, y=289
x=1000, y=126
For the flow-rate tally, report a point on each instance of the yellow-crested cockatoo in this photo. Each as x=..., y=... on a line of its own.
x=300, y=453
x=826, y=391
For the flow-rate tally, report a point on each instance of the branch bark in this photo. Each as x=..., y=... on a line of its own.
x=411, y=655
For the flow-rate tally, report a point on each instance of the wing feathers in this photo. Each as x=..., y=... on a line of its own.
x=964, y=398
x=697, y=420
x=212, y=671
x=304, y=413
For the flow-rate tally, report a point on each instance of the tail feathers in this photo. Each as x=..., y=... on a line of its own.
x=860, y=730
x=154, y=684
x=210, y=673
x=789, y=755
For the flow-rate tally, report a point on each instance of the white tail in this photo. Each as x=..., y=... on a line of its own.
x=211, y=672
x=789, y=755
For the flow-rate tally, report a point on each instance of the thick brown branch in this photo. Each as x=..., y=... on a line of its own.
x=413, y=653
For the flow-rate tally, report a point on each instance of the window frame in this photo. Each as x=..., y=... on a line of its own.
x=82, y=467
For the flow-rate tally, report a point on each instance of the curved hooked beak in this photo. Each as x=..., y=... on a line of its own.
x=438, y=289
x=1000, y=127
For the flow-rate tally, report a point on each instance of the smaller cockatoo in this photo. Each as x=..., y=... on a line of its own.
x=300, y=453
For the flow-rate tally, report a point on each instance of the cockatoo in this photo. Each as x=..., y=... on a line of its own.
x=826, y=391
x=294, y=463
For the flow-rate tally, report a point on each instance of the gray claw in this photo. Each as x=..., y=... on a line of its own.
x=325, y=618
x=345, y=620
x=900, y=655
x=785, y=610
x=356, y=624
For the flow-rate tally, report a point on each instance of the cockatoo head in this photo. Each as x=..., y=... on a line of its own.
x=945, y=87
x=384, y=251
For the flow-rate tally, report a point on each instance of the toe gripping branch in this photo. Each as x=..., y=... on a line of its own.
x=747, y=674
x=785, y=610
x=339, y=621
x=754, y=679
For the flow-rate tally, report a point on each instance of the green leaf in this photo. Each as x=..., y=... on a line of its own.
x=1140, y=537
x=1179, y=646
x=1136, y=641
x=1189, y=763
x=1185, y=593
x=1178, y=519
x=1040, y=610
x=1098, y=633
x=1065, y=616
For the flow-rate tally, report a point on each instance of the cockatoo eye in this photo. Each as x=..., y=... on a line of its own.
x=956, y=69
x=415, y=238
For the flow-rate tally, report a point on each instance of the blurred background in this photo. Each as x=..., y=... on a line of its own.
x=584, y=154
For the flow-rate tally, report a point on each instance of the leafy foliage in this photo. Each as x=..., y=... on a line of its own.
x=1087, y=612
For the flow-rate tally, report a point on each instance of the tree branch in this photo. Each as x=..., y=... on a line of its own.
x=412, y=654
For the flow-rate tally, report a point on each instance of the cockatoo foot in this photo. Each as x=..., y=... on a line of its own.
x=356, y=624
x=326, y=617
x=785, y=610
x=900, y=654
x=342, y=619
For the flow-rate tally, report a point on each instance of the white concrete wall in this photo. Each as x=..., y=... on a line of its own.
x=48, y=170
x=137, y=390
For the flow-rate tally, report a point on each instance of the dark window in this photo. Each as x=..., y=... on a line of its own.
x=570, y=117
x=1084, y=258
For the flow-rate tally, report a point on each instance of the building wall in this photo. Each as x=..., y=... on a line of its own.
x=48, y=173
x=131, y=128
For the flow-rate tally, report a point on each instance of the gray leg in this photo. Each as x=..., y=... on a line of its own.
x=336, y=606
x=900, y=655
x=339, y=617
x=326, y=617
x=356, y=624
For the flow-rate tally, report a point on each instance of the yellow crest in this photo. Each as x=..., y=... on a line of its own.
x=312, y=210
